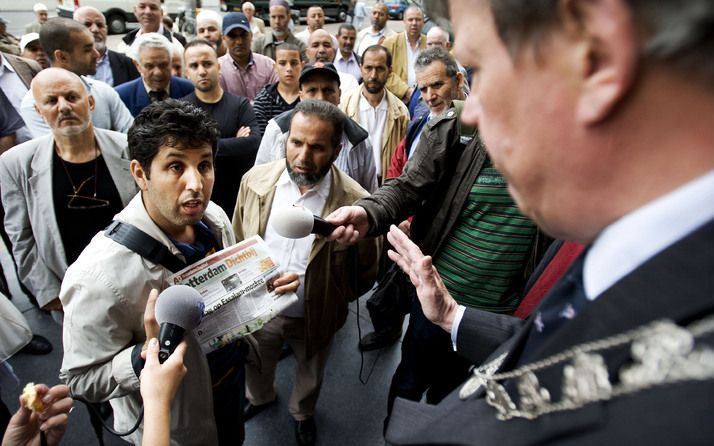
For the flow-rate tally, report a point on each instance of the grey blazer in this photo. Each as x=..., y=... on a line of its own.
x=26, y=187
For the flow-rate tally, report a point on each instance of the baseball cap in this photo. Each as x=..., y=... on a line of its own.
x=235, y=20
x=319, y=67
x=27, y=38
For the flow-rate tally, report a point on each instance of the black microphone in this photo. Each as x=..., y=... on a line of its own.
x=179, y=308
x=298, y=222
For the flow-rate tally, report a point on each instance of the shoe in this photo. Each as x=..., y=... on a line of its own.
x=376, y=340
x=305, y=432
x=38, y=345
x=250, y=410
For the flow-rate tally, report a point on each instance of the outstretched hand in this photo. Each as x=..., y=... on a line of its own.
x=436, y=302
x=25, y=426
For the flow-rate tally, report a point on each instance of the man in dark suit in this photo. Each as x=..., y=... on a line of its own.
x=112, y=67
x=152, y=57
x=564, y=98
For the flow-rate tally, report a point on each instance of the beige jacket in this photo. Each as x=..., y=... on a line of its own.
x=394, y=129
x=397, y=45
x=331, y=272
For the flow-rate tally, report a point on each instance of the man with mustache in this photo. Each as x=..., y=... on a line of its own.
x=305, y=177
x=375, y=34
x=152, y=57
x=564, y=96
x=279, y=32
x=112, y=67
x=320, y=48
x=376, y=109
x=70, y=45
x=109, y=293
x=346, y=60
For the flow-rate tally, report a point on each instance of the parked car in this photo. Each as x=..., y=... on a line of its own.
x=121, y=12
x=334, y=9
x=396, y=8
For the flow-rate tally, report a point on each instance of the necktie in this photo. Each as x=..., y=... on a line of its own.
x=157, y=95
x=563, y=303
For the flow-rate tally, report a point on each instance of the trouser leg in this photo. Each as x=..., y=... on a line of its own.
x=309, y=372
x=227, y=367
x=260, y=368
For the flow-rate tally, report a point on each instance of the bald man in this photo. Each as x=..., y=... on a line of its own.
x=112, y=67
x=80, y=177
x=320, y=48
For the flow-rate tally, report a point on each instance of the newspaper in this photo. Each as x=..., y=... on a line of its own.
x=236, y=284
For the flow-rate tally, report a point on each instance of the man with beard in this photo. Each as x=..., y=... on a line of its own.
x=112, y=67
x=109, y=293
x=243, y=72
x=404, y=48
x=209, y=26
x=60, y=189
x=375, y=34
x=279, y=31
x=322, y=82
x=240, y=135
x=321, y=49
x=346, y=60
x=564, y=98
x=148, y=13
x=152, y=57
x=381, y=113
x=41, y=14
x=328, y=273
x=70, y=45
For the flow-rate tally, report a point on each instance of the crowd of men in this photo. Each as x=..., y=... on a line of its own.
x=548, y=229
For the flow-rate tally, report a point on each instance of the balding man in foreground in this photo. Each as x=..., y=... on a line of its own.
x=61, y=189
x=565, y=107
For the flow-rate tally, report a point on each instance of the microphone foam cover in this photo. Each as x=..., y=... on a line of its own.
x=292, y=221
x=180, y=305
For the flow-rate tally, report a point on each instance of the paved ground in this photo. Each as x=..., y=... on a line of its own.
x=348, y=413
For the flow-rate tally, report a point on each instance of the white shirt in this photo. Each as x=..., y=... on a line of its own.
x=348, y=84
x=373, y=119
x=629, y=242
x=412, y=54
x=293, y=254
x=349, y=65
x=367, y=37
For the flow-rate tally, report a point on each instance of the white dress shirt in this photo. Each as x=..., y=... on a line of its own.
x=373, y=119
x=293, y=254
x=412, y=54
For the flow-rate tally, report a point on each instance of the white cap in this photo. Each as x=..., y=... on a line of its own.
x=27, y=38
x=39, y=7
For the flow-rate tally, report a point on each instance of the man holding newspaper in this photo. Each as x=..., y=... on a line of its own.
x=104, y=293
x=331, y=275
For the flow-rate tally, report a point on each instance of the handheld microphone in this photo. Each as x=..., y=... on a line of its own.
x=179, y=308
x=298, y=222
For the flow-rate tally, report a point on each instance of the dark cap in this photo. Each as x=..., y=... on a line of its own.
x=234, y=20
x=282, y=3
x=325, y=68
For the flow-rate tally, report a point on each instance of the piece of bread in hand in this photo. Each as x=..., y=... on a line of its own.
x=31, y=400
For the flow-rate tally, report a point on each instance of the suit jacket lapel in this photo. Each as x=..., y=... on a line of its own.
x=40, y=183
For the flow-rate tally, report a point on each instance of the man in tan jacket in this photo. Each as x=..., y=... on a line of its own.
x=331, y=275
x=376, y=109
x=404, y=48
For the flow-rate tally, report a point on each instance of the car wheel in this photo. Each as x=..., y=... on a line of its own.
x=116, y=24
x=342, y=15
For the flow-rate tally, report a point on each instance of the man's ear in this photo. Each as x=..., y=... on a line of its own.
x=608, y=55
x=61, y=57
x=337, y=152
x=91, y=103
x=136, y=64
x=139, y=175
